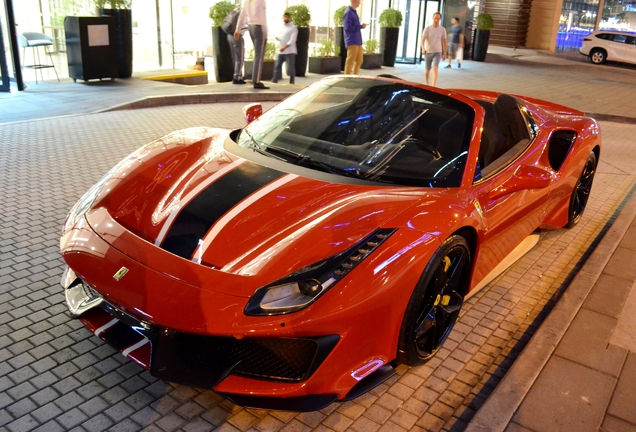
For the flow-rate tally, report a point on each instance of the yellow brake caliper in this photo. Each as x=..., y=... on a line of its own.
x=444, y=300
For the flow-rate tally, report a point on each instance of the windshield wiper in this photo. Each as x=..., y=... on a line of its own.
x=308, y=162
x=254, y=145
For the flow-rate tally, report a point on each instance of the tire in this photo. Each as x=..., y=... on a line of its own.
x=435, y=303
x=581, y=191
x=598, y=56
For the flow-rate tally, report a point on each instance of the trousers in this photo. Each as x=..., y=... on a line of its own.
x=291, y=67
x=238, y=52
x=354, y=59
x=259, y=41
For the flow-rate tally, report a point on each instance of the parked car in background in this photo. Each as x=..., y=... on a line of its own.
x=603, y=45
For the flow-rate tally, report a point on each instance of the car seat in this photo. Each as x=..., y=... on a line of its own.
x=492, y=140
x=378, y=119
x=513, y=125
x=450, y=137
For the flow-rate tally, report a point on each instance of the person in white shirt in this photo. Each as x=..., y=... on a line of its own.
x=287, y=52
x=434, y=47
x=254, y=12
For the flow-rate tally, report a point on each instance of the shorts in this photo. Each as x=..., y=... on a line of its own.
x=432, y=59
x=453, y=47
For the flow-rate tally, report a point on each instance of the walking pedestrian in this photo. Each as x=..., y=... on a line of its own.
x=433, y=47
x=287, y=52
x=353, y=38
x=456, y=43
x=254, y=13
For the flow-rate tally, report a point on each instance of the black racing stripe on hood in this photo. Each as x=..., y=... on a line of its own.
x=196, y=218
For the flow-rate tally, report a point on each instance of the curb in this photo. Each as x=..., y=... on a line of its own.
x=199, y=98
x=612, y=118
x=500, y=407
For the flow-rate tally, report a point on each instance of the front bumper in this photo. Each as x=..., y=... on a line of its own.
x=201, y=360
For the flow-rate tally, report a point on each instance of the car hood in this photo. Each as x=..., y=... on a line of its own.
x=189, y=197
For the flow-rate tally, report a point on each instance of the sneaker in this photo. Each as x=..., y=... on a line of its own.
x=447, y=66
x=260, y=86
x=459, y=65
x=238, y=81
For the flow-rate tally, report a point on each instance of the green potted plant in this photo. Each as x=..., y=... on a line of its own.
x=221, y=50
x=371, y=59
x=301, y=18
x=267, y=73
x=120, y=11
x=484, y=24
x=325, y=58
x=338, y=21
x=390, y=21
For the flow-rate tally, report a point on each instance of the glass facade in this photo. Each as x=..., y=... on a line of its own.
x=577, y=20
x=619, y=15
x=174, y=33
x=5, y=52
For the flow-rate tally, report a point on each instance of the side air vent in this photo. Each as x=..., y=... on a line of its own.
x=560, y=144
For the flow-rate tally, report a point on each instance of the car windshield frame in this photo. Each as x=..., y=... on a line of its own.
x=374, y=130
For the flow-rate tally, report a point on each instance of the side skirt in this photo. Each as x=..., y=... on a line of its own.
x=522, y=249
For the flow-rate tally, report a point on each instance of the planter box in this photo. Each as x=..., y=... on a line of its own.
x=123, y=38
x=223, y=64
x=371, y=61
x=339, y=38
x=480, y=45
x=324, y=65
x=302, y=46
x=266, y=74
x=388, y=44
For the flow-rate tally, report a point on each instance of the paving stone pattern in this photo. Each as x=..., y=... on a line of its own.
x=55, y=375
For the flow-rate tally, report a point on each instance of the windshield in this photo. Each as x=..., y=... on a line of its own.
x=370, y=129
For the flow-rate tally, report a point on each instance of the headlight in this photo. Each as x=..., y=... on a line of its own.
x=291, y=295
x=300, y=289
x=84, y=203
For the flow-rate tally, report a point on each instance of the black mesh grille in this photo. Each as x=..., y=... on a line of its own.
x=280, y=359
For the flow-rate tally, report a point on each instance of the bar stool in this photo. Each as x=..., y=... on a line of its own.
x=35, y=40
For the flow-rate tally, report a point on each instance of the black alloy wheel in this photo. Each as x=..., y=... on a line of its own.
x=598, y=56
x=581, y=192
x=436, y=302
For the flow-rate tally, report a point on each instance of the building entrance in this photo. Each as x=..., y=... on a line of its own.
x=417, y=15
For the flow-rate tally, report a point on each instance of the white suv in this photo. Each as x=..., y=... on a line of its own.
x=602, y=45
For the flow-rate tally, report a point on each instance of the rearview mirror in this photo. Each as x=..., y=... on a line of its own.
x=525, y=177
x=252, y=111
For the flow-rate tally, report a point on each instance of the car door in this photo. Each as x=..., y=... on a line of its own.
x=511, y=198
x=629, y=50
x=512, y=204
x=617, y=48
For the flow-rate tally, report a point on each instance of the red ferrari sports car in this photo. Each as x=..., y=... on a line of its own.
x=296, y=261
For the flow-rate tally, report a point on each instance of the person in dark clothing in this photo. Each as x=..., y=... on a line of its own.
x=456, y=43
